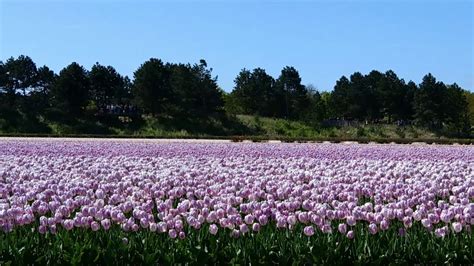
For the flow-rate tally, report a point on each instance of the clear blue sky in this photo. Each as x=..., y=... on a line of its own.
x=322, y=39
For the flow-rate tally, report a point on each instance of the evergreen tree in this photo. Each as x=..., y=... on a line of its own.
x=20, y=78
x=151, y=88
x=292, y=95
x=107, y=86
x=71, y=90
x=428, y=102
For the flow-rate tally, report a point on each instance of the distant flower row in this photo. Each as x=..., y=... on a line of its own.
x=172, y=188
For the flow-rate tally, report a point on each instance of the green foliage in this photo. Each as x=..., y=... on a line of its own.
x=428, y=102
x=400, y=132
x=257, y=93
x=340, y=98
x=39, y=98
x=317, y=108
x=71, y=90
x=196, y=91
x=470, y=103
x=232, y=105
x=442, y=107
x=15, y=121
x=373, y=97
x=361, y=132
x=21, y=75
x=270, y=246
x=177, y=90
x=108, y=87
x=456, y=109
x=151, y=87
x=254, y=93
x=293, y=98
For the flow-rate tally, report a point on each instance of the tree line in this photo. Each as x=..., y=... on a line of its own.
x=190, y=91
x=373, y=98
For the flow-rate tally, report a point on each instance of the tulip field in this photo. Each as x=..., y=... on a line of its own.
x=66, y=201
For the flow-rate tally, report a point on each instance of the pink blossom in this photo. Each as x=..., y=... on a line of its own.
x=308, y=230
x=342, y=228
x=350, y=234
x=213, y=229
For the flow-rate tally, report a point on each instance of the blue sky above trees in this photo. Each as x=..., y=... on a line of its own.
x=322, y=39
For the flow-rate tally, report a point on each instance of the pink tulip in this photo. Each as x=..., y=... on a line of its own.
x=308, y=230
x=213, y=229
x=350, y=234
x=342, y=228
x=172, y=233
x=95, y=226
x=457, y=227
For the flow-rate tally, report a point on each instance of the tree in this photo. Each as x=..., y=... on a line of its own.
x=293, y=96
x=71, y=90
x=125, y=95
x=196, y=91
x=3, y=81
x=428, y=102
x=107, y=86
x=231, y=104
x=39, y=98
x=373, y=97
x=340, y=98
x=210, y=96
x=254, y=93
x=358, y=97
x=21, y=74
x=265, y=93
x=243, y=92
x=456, y=108
x=407, y=112
x=151, y=87
x=470, y=102
x=317, y=109
x=177, y=90
x=392, y=95
x=326, y=105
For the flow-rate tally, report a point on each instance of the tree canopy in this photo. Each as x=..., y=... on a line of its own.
x=71, y=90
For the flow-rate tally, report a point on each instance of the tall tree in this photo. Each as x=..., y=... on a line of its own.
x=326, y=102
x=243, y=93
x=428, y=102
x=71, y=90
x=373, y=96
x=255, y=93
x=392, y=95
x=470, y=102
x=407, y=111
x=265, y=93
x=340, y=98
x=39, y=98
x=358, y=97
x=3, y=80
x=293, y=95
x=177, y=90
x=107, y=86
x=456, y=108
x=151, y=87
x=197, y=92
x=21, y=74
x=210, y=95
x=317, y=109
